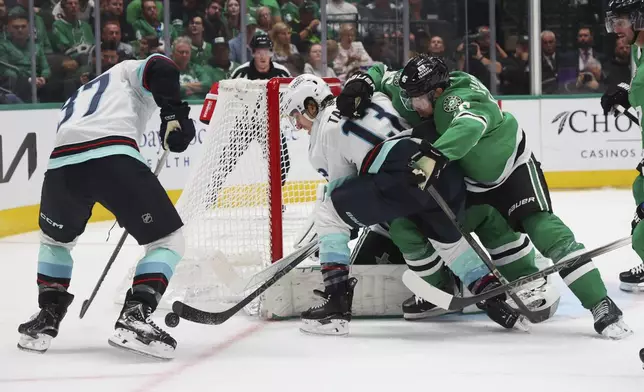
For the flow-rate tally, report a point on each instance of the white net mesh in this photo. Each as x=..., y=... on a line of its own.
x=225, y=205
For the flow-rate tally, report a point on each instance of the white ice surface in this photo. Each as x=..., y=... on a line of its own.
x=452, y=353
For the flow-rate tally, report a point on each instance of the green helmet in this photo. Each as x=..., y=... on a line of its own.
x=623, y=12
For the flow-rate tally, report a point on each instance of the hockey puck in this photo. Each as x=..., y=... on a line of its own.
x=642, y=355
x=172, y=319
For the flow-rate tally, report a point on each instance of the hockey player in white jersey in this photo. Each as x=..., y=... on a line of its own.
x=373, y=177
x=96, y=159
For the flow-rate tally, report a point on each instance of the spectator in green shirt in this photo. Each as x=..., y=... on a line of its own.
x=134, y=11
x=72, y=36
x=194, y=80
x=149, y=24
x=15, y=57
x=219, y=66
x=200, y=48
x=291, y=11
x=42, y=37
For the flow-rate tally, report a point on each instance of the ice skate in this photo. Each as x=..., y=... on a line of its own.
x=632, y=280
x=36, y=334
x=416, y=308
x=332, y=316
x=539, y=296
x=608, y=320
x=137, y=333
x=496, y=308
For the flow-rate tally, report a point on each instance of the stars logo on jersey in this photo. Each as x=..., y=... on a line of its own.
x=452, y=103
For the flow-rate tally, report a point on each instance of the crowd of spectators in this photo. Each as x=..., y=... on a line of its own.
x=206, y=44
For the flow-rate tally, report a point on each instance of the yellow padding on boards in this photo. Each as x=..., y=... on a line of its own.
x=25, y=219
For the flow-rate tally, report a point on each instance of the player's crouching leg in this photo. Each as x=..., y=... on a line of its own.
x=134, y=330
x=332, y=316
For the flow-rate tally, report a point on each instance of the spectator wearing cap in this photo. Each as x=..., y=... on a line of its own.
x=314, y=64
x=351, y=54
x=219, y=66
x=194, y=80
x=261, y=66
x=291, y=11
x=307, y=31
x=515, y=73
x=236, y=46
x=213, y=25
x=70, y=35
x=281, y=37
x=109, y=58
x=201, y=49
x=15, y=59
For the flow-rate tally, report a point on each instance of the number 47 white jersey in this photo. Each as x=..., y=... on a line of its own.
x=106, y=116
x=338, y=145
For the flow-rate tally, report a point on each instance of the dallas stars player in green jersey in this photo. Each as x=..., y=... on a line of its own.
x=501, y=171
x=626, y=18
x=511, y=252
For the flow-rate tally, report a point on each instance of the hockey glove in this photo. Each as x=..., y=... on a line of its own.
x=428, y=163
x=356, y=96
x=639, y=215
x=177, y=129
x=616, y=95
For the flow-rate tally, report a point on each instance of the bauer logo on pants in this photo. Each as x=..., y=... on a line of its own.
x=147, y=218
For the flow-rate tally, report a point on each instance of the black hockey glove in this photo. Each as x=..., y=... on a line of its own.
x=639, y=215
x=428, y=164
x=616, y=95
x=177, y=129
x=356, y=96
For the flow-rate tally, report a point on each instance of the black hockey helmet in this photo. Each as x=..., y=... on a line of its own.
x=422, y=75
x=620, y=12
x=261, y=41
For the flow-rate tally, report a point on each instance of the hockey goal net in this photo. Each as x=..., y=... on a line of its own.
x=247, y=200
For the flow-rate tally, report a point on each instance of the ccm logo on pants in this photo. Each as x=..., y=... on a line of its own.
x=521, y=203
x=51, y=222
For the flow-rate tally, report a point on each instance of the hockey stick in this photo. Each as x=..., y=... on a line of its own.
x=202, y=317
x=534, y=317
x=119, y=245
x=449, y=302
x=619, y=109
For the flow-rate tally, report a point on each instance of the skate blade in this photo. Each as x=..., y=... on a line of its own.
x=333, y=327
x=38, y=345
x=522, y=324
x=632, y=287
x=617, y=331
x=127, y=341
